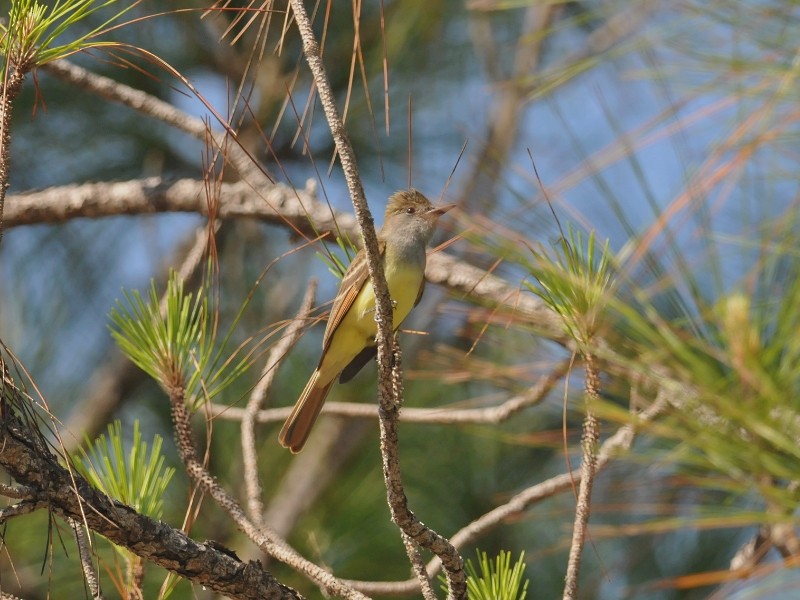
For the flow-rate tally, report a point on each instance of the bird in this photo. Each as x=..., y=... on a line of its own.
x=349, y=341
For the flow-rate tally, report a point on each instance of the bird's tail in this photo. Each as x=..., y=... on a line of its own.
x=297, y=427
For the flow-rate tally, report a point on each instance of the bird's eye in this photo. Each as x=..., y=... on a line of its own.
x=411, y=210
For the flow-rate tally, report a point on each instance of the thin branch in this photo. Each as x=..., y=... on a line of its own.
x=89, y=572
x=753, y=551
x=490, y=415
x=406, y=520
x=589, y=465
x=418, y=566
x=25, y=507
x=260, y=391
x=272, y=203
x=8, y=92
x=18, y=492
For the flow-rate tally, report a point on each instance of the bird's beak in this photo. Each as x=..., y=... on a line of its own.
x=440, y=210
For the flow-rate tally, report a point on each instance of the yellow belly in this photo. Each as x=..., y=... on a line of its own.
x=403, y=289
x=358, y=328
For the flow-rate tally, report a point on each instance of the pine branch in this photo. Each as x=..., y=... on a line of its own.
x=490, y=415
x=8, y=92
x=589, y=465
x=85, y=554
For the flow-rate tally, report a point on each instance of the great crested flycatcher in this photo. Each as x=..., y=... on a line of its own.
x=349, y=341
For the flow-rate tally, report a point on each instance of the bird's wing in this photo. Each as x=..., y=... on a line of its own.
x=421, y=290
x=354, y=279
x=354, y=366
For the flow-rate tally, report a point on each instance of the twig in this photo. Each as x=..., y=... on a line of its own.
x=8, y=92
x=490, y=415
x=89, y=572
x=753, y=551
x=276, y=355
x=25, y=507
x=389, y=376
x=406, y=520
x=589, y=465
x=418, y=566
x=18, y=492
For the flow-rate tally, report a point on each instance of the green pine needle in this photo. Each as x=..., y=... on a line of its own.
x=336, y=265
x=171, y=346
x=498, y=579
x=33, y=30
x=175, y=343
x=137, y=478
x=575, y=281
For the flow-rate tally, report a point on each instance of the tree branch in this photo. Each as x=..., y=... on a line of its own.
x=85, y=554
x=15, y=75
x=490, y=415
x=18, y=492
x=274, y=203
x=406, y=520
x=25, y=507
x=589, y=465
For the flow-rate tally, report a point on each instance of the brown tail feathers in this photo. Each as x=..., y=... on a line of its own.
x=297, y=427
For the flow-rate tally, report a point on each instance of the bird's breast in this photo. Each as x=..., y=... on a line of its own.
x=404, y=282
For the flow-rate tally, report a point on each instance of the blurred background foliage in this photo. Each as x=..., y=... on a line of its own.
x=669, y=129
